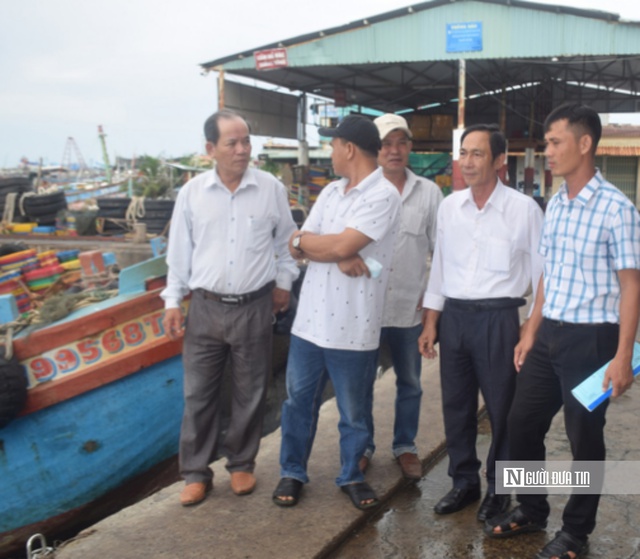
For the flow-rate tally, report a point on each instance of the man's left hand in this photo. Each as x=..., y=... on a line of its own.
x=620, y=373
x=280, y=300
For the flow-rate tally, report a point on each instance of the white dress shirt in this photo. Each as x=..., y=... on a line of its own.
x=415, y=241
x=229, y=242
x=487, y=253
x=337, y=311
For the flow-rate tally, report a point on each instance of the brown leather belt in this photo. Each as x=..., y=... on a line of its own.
x=237, y=300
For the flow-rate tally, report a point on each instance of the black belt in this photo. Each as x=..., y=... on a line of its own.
x=237, y=300
x=477, y=305
x=564, y=323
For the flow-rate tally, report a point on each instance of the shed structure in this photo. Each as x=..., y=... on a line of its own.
x=511, y=62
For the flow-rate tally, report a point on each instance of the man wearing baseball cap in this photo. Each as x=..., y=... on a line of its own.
x=348, y=239
x=402, y=317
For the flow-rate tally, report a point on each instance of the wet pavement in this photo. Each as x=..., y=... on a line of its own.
x=407, y=527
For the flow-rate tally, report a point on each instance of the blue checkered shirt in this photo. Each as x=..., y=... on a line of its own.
x=584, y=242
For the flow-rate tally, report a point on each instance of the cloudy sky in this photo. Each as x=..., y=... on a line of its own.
x=132, y=66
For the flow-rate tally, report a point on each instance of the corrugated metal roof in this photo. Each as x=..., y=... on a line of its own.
x=511, y=29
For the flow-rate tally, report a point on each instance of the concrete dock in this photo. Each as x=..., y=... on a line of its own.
x=325, y=524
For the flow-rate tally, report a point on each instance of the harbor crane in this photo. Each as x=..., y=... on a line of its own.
x=105, y=155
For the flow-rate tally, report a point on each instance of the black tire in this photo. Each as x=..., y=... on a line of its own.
x=15, y=184
x=154, y=225
x=112, y=212
x=156, y=214
x=11, y=248
x=162, y=205
x=38, y=210
x=113, y=203
x=13, y=389
x=45, y=200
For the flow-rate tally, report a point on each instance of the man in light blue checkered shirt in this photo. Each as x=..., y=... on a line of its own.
x=585, y=315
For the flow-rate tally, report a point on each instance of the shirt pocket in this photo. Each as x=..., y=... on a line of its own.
x=498, y=255
x=261, y=231
x=413, y=221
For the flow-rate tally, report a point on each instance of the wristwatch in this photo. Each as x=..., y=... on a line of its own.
x=296, y=242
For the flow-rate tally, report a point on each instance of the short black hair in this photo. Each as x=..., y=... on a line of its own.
x=497, y=141
x=211, y=128
x=581, y=118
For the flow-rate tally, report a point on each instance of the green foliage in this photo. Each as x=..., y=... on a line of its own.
x=270, y=166
x=155, y=178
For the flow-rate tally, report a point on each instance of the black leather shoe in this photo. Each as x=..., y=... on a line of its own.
x=457, y=499
x=493, y=504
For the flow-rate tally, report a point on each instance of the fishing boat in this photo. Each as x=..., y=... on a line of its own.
x=104, y=405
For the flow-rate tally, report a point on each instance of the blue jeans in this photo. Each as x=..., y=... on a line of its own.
x=407, y=364
x=308, y=369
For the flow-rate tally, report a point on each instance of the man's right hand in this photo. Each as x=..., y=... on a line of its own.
x=173, y=323
x=523, y=347
x=427, y=340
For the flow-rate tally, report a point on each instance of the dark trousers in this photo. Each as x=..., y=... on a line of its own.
x=563, y=356
x=476, y=352
x=215, y=331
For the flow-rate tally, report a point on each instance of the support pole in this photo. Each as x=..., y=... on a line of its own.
x=220, y=88
x=456, y=180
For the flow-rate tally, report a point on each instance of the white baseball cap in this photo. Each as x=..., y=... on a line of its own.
x=390, y=122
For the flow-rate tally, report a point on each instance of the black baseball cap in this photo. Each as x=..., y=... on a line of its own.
x=357, y=129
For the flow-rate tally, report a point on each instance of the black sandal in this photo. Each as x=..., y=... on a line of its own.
x=360, y=492
x=561, y=545
x=523, y=524
x=287, y=487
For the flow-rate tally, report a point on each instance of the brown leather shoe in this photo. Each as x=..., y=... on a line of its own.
x=242, y=483
x=194, y=493
x=410, y=465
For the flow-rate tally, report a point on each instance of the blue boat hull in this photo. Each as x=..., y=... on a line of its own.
x=54, y=460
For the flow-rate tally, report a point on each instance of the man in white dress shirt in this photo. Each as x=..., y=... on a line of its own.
x=228, y=247
x=402, y=317
x=485, y=260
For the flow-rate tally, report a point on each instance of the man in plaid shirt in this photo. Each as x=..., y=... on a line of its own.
x=585, y=315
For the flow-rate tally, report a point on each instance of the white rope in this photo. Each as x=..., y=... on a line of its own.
x=21, y=202
x=8, y=343
x=136, y=209
x=9, y=207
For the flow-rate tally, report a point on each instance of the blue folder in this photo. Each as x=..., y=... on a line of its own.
x=589, y=392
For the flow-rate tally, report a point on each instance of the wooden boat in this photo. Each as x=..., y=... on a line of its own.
x=104, y=405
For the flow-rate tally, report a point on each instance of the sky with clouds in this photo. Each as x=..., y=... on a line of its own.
x=132, y=66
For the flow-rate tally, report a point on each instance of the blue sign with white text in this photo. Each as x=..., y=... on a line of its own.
x=464, y=37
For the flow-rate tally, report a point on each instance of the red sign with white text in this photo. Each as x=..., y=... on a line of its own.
x=271, y=59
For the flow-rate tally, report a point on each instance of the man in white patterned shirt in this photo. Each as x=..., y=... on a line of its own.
x=336, y=331
x=585, y=315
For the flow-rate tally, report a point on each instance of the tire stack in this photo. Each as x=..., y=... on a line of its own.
x=157, y=213
x=112, y=208
x=18, y=185
x=43, y=208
